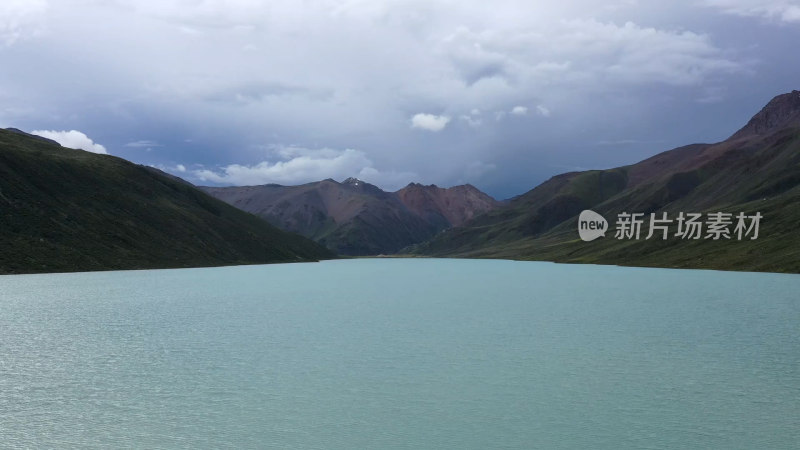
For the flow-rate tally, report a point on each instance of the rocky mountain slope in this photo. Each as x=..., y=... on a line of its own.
x=756, y=170
x=70, y=210
x=357, y=218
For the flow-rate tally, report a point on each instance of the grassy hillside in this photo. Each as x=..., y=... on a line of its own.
x=776, y=250
x=70, y=210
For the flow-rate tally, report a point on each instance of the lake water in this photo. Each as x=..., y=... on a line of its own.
x=384, y=353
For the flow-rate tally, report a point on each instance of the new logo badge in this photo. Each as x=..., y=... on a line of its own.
x=591, y=225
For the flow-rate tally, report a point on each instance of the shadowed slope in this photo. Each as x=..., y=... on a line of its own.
x=71, y=210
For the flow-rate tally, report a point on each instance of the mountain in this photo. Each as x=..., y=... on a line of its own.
x=782, y=111
x=451, y=207
x=357, y=218
x=757, y=169
x=70, y=210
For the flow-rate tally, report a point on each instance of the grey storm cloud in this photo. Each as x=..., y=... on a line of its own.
x=495, y=94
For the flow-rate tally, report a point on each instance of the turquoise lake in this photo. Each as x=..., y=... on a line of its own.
x=401, y=353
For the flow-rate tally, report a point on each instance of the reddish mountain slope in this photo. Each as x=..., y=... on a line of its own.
x=358, y=218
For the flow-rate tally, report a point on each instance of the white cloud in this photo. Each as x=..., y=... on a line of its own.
x=20, y=19
x=72, y=139
x=143, y=144
x=519, y=110
x=473, y=121
x=543, y=110
x=780, y=10
x=429, y=122
x=178, y=170
x=302, y=165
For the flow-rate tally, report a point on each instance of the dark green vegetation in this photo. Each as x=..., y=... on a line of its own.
x=70, y=210
x=357, y=218
x=756, y=170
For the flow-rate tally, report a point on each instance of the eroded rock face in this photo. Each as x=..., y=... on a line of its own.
x=782, y=111
x=455, y=205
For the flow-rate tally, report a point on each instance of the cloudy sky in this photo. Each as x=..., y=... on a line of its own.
x=500, y=94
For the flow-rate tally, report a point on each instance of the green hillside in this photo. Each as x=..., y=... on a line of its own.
x=70, y=210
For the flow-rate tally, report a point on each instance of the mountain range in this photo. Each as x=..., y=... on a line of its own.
x=70, y=210
x=357, y=218
x=756, y=170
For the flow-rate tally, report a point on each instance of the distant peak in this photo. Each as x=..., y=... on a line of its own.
x=360, y=184
x=420, y=185
x=460, y=187
x=782, y=111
